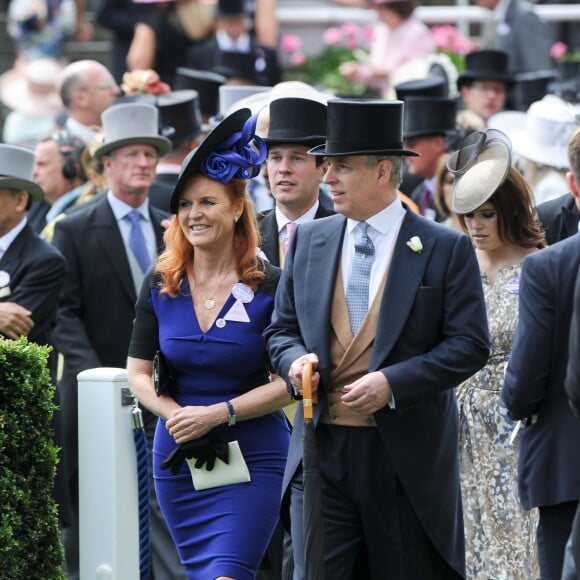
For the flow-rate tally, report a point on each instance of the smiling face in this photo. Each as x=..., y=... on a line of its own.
x=293, y=177
x=482, y=227
x=207, y=213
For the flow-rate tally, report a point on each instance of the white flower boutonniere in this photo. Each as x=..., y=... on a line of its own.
x=415, y=244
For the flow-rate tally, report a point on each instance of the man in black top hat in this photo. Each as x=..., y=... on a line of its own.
x=233, y=52
x=484, y=83
x=296, y=125
x=429, y=122
x=388, y=307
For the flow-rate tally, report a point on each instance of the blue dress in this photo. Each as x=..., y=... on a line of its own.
x=222, y=531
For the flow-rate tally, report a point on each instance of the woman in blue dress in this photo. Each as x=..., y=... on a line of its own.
x=205, y=307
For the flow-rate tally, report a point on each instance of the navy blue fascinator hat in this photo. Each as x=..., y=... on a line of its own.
x=231, y=151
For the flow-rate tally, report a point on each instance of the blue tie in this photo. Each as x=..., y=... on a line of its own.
x=137, y=240
x=357, y=293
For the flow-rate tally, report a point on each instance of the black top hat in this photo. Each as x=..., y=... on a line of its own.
x=485, y=65
x=248, y=66
x=206, y=84
x=427, y=87
x=192, y=164
x=180, y=110
x=427, y=116
x=295, y=120
x=531, y=87
x=230, y=8
x=363, y=127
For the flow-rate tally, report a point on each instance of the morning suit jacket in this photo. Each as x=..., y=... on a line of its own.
x=431, y=335
x=36, y=272
x=525, y=38
x=269, y=232
x=559, y=218
x=572, y=386
x=549, y=470
x=97, y=308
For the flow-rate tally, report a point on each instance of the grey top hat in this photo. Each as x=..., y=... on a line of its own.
x=363, y=127
x=131, y=124
x=16, y=169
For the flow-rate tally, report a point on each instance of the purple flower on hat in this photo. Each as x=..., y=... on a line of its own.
x=236, y=157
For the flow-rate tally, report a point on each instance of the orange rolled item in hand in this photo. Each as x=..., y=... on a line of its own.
x=307, y=391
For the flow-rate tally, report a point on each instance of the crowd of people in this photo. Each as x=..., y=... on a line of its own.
x=220, y=232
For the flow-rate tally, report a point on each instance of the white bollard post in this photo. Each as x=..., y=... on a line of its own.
x=108, y=487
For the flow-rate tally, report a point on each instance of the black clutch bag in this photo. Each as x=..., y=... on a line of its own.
x=163, y=378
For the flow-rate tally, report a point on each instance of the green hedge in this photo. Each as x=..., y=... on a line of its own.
x=30, y=544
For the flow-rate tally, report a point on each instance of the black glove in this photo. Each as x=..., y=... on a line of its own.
x=204, y=450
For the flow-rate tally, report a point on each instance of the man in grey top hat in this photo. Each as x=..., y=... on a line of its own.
x=31, y=270
x=388, y=308
x=109, y=245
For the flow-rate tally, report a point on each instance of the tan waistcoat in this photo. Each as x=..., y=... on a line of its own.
x=349, y=356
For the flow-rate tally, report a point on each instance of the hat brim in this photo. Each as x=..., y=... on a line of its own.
x=322, y=150
x=192, y=163
x=162, y=144
x=467, y=78
x=33, y=189
x=313, y=141
x=473, y=188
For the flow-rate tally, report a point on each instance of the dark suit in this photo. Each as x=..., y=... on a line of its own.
x=269, y=232
x=36, y=272
x=525, y=38
x=96, y=312
x=549, y=470
x=559, y=218
x=205, y=56
x=572, y=386
x=431, y=335
x=161, y=190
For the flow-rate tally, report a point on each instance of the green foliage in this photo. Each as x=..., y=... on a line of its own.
x=30, y=545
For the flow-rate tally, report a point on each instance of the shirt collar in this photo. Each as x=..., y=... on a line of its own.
x=9, y=237
x=121, y=209
x=382, y=221
x=308, y=216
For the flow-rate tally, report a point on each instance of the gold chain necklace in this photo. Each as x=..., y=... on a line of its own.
x=210, y=302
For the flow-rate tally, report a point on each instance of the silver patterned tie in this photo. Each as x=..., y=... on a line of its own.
x=357, y=293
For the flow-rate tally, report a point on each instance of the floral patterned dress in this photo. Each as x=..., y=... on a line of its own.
x=500, y=538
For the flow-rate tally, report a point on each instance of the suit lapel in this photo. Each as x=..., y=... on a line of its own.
x=571, y=220
x=324, y=250
x=405, y=276
x=109, y=237
x=270, y=239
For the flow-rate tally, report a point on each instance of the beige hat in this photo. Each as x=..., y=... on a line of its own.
x=480, y=166
x=131, y=124
x=16, y=169
x=31, y=87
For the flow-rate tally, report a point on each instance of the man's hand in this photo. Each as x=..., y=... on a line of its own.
x=368, y=394
x=15, y=320
x=296, y=372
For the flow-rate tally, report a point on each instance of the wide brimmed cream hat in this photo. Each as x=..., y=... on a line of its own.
x=132, y=124
x=480, y=166
x=542, y=133
x=16, y=170
x=31, y=87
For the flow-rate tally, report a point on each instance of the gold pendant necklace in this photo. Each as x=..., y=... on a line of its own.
x=210, y=302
